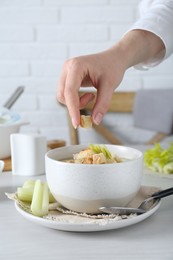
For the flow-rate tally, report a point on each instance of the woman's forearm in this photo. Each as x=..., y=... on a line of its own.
x=138, y=46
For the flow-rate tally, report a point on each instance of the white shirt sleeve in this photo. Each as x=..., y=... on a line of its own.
x=156, y=16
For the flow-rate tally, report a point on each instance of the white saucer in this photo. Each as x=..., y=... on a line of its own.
x=84, y=225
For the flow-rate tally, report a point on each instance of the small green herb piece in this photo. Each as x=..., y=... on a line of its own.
x=101, y=149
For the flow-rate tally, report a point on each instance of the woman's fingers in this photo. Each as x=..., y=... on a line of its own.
x=74, y=77
x=61, y=85
x=104, y=95
x=80, y=71
x=85, y=99
x=68, y=87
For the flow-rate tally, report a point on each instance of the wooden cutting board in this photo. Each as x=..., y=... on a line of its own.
x=52, y=144
x=7, y=166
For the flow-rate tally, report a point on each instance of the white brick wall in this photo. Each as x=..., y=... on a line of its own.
x=14, y=69
x=97, y=14
x=37, y=36
x=28, y=15
x=10, y=33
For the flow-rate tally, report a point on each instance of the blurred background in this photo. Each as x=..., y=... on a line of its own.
x=37, y=36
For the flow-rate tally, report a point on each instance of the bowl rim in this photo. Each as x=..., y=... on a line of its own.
x=52, y=151
x=15, y=117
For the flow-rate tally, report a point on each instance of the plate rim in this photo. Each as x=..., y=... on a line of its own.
x=86, y=227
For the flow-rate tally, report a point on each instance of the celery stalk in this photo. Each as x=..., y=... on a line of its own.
x=25, y=194
x=29, y=184
x=40, y=199
x=101, y=149
x=159, y=159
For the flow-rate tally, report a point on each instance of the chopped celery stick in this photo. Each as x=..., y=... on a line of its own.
x=40, y=199
x=101, y=149
x=25, y=194
x=29, y=184
x=106, y=152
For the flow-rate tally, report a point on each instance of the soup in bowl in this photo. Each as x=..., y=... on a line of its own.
x=84, y=187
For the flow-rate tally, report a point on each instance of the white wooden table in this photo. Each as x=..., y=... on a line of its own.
x=21, y=239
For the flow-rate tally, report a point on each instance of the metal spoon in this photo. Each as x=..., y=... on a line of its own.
x=12, y=99
x=144, y=206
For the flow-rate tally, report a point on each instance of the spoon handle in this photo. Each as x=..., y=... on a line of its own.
x=9, y=103
x=162, y=193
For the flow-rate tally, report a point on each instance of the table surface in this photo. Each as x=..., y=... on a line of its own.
x=22, y=239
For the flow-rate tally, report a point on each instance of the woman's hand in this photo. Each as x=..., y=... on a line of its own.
x=104, y=71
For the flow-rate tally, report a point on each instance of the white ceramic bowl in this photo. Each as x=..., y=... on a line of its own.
x=5, y=132
x=12, y=125
x=85, y=188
